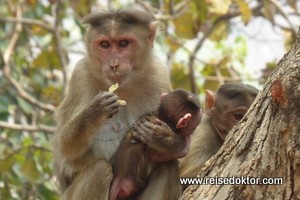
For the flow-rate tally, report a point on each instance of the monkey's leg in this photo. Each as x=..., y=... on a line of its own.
x=91, y=184
x=163, y=183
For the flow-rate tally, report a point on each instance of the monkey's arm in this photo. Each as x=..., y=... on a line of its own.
x=75, y=136
x=164, y=143
x=81, y=113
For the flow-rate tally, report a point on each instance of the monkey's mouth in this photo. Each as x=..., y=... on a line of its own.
x=122, y=79
x=115, y=79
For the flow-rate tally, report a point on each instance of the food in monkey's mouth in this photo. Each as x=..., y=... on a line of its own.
x=112, y=88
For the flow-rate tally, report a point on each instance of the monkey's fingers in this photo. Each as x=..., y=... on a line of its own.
x=159, y=122
x=148, y=135
x=111, y=89
x=112, y=110
x=109, y=99
x=156, y=126
x=141, y=132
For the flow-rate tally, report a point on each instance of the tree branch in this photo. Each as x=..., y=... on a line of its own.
x=206, y=34
x=29, y=128
x=58, y=42
x=23, y=148
x=28, y=21
x=285, y=15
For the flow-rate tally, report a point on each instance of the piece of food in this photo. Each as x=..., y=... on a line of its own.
x=121, y=102
x=112, y=88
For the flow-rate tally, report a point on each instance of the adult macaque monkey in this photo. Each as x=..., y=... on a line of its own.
x=132, y=162
x=90, y=122
x=222, y=112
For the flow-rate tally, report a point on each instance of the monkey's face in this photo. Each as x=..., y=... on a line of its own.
x=120, y=54
x=115, y=55
x=225, y=120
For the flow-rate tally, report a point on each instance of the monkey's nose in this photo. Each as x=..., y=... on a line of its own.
x=114, y=68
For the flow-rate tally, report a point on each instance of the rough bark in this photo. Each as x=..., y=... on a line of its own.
x=265, y=144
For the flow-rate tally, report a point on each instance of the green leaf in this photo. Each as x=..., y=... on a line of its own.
x=179, y=76
x=6, y=165
x=27, y=141
x=185, y=27
x=211, y=85
x=201, y=10
x=52, y=93
x=82, y=7
x=4, y=104
x=24, y=105
x=220, y=32
x=219, y=7
x=245, y=10
x=47, y=193
x=46, y=59
x=5, y=191
x=29, y=169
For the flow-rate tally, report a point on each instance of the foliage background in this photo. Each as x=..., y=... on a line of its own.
x=40, y=42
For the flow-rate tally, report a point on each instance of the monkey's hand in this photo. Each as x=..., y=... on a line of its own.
x=164, y=144
x=105, y=103
x=164, y=156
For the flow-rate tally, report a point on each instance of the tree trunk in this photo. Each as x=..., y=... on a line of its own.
x=265, y=144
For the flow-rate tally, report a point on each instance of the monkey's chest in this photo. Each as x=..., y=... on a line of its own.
x=108, y=136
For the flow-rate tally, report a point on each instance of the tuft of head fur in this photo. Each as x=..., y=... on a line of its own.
x=130, y=16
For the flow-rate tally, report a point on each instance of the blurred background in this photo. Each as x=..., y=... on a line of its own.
x=204, y=42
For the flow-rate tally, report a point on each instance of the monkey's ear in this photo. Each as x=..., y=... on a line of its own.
x=152, y=30
x=183, y=121
x=209, y=101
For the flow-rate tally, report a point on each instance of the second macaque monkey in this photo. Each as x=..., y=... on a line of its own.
x=132, y=162
x=222, y=111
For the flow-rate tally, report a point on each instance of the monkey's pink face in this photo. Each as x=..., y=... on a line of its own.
x=115, y=55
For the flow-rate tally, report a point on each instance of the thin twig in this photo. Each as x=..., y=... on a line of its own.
x=58, y=41
x=29, y=128
x=226, y=79
x=16, y=151
x=28, y=21
x=284, y=14
x=193, y=57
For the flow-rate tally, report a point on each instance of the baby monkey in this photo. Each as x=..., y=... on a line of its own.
x=132, y=163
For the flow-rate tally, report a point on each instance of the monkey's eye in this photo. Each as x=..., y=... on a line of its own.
x=104, y=44
x=238, y=116
x=123, y=43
